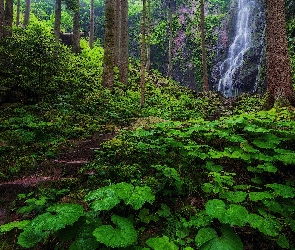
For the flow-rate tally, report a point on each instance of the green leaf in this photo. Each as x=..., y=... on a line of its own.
x=238, y=196
x=267, y=141
x=15, y=224
x=145, y=217
x=215, y=208
x=235, y=215
x=282, y=190
x=122, y=236
x=105, y=199
x=228, y=241
x=283, y=242
x=268, y=167
x=164, y=211
x=258, y=196
x=161, y=243
x=57, y=216
x=204, y=235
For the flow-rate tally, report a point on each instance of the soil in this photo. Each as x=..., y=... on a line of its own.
x=65, y=166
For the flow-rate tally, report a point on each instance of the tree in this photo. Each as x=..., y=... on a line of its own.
x=203, y=45
x=117, y=32
x=148, y=47
x=57, y=19
x=76, y=28
x=27, y=12
x=91, y=31
x=17, y=22
x=123, y=61
x=109, y=45
x=8, y=19
x=279, y=77
x=169, y=68
x=143, y=54
x=1, y=17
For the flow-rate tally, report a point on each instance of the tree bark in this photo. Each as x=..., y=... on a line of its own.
x=203, y=45
x=1, y=17
x=124, y=55
x=8, y=19
x=169, y=68
x=27, y=12
x=17, y=22
x=279, y=77
x=76, y=29
x=91, y=32
x=143, y=54
x=148, y=47
x=109, y=45
x=57, y=19
x=117, y=32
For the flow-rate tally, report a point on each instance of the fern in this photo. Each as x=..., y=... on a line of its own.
x=122, y=236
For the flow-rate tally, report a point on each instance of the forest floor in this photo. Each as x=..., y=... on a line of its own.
x=65, y=166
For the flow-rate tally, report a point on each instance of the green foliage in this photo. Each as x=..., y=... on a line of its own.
x=108, y=197
x=207, y=239
x=161, y=243
x=122, y=236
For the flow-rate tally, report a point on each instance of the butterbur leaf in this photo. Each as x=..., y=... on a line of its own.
x=15, y=224
x=285, y=156
x=267, y=141
x=215, y=208
x=268, y=167
x=122, y=236
x=237, y=196
x=235, y=215
x=258, y=196
x=57, y=217
x=145, y=217
x=283, y=242
x=161, y=243
x=204, y=235
x=105, y=199
x=139, y=196
x=227, y=241
x=282, y=190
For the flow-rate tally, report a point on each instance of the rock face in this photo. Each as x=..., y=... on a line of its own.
x=239, y=63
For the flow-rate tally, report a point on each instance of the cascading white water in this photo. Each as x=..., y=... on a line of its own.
x=241, y=44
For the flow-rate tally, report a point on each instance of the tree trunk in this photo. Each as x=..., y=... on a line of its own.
x=203, y=45
x=109, y=45
x=279, y=77
x=76, y=29
x=143, y=54
x=8, y=19
x=91, y=33
x=123, y=62
x=169, y=68
x=148, y=47
x=1, y=17
x=57, y=19
x=17, y=22
x=27, y=12
x=117, y=32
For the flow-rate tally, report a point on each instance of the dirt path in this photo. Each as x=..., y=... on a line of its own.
x=65, y=166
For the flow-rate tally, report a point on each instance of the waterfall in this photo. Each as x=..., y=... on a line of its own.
x=242, y=42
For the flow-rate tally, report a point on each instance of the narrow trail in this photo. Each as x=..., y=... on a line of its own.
x=65, y=166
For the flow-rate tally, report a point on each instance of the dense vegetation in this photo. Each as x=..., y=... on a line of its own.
x=186, y=171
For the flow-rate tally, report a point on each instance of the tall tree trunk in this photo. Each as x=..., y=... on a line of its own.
x=1, y=17
x=203, y=45
x=17, y=22
x=279, y=77
x=27, y=12
x=91, y=33
x=57, y=19
x=117, y=32
x=8, y=19
x=148, y=47
x=123, y=73
x=143, y=54
x=76, y=29
x=109, y=45
x=169, y=68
